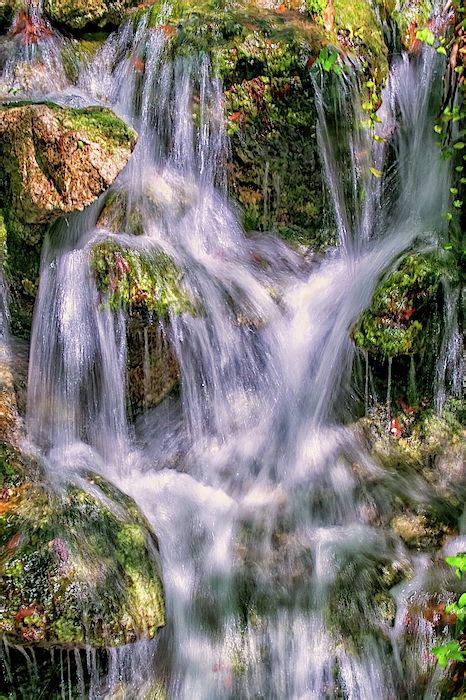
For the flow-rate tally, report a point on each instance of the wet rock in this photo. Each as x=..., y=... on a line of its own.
x=145, y=283
x=419, y=531
x=76, y=568
x=79, y=565
x=60, y=160
x=76, y=14
x=153, y=370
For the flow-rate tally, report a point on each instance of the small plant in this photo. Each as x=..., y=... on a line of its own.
x=316, y=7
x=328, y=60
x=454, y=650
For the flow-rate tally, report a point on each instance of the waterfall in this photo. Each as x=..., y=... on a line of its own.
x=248, y=478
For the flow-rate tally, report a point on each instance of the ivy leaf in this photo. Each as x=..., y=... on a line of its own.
x=458, y=562
x=441, y=50
x=426, y=36
x=448, y=652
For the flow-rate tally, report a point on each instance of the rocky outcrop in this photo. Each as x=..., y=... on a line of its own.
x=55, y=161
x=74, y=14
x=60, y=160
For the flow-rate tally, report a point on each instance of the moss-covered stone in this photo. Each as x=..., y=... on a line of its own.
x=75, y=568
x=77, y=14
x=264, y=58
x=60, y=159
x=78, y=565
x=55, y=160
x=8, y=9
x=141, y=282
x=401, y=307
x=425, y=450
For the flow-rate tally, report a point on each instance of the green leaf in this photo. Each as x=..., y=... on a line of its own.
x=462, y=601
x=438, y=129
x=453, y=190
x=426, y=36
x=448, y=246
x=441, y=50
x=459, y=145
x=375, y=172
x=448, y=652
x=458, y=562
x=458, y=203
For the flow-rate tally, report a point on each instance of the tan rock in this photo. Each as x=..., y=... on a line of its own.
x=59, y=160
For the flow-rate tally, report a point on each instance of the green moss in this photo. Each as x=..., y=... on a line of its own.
x=21, y=264
x=77, y=14
x=76, y=568
x=140, y=282
x=359, y=30
x=102, y=126
x=401, y=308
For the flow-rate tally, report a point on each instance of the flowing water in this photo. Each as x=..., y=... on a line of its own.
x=270, y=554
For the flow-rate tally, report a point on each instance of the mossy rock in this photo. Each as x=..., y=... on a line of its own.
x=147, y=284
x=55, y=161
x=8, y=8
x=264, y=59
x=58, y=159
x=77, y=14
x=402, y=307
x=77, y=567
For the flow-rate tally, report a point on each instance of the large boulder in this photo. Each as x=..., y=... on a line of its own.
x=77, y=568
x=58, y=159
x=78, y=564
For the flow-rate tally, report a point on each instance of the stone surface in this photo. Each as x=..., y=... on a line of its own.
x=60, y=160
x=76, y=14
x=78, y=563
x=76, y=568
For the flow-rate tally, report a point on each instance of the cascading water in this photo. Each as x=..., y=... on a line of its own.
x=268, y=548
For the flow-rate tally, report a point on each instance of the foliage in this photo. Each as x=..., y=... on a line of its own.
x=316, y=7
x=328, y=60
x=454, y=650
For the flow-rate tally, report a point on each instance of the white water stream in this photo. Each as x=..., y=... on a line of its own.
x=269, y=553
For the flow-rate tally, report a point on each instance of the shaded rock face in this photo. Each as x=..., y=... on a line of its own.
x=153, y=370
x=60, y=160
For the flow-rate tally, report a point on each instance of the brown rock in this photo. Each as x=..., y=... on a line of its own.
x=59, y=160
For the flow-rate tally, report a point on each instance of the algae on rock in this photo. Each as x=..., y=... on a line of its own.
x=76, y=569
x=55, y=160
